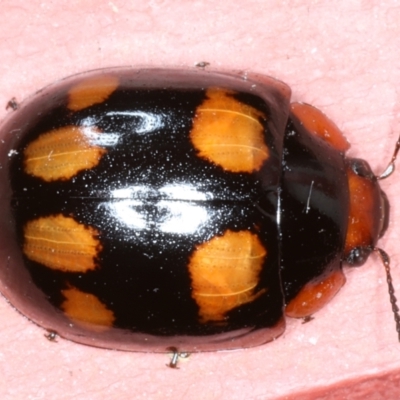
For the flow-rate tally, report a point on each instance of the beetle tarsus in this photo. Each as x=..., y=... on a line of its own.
x=12, y=104
x=307, y=319
x=176, y=355
x=51, y=336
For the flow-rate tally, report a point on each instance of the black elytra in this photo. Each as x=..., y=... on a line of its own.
x=153, y=209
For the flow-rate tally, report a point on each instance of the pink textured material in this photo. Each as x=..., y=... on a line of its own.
x=342, y=57
x=374, y=387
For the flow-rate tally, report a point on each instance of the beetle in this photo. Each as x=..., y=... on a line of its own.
x=151, y=209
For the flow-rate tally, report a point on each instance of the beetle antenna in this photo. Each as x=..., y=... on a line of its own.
x=393, y=301
x=391, y=166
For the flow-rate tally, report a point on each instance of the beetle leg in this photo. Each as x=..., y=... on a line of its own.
x=51, y=336
x=176, y=355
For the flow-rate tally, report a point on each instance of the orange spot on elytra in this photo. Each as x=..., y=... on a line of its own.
x=316, y=122
x=61, y=243
x=86, y=310
x=91, y=91
x=60, y=154
x=315, y=295
x=229, y=133
x=225, y=273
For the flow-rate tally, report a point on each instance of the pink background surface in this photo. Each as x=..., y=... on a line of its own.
x=342, y=57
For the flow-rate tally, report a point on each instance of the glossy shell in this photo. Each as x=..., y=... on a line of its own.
x=154, y=208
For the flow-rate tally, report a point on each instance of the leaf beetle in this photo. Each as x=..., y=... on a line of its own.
x=152, y=209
